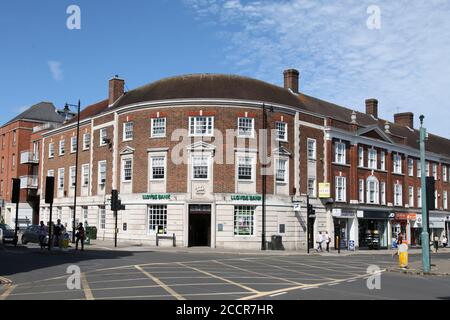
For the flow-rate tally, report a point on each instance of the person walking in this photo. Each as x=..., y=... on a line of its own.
x=444, y=241
x=59, y=231
x=42, y=230
x=327, y=240
x=80, y=235
x=319, y=242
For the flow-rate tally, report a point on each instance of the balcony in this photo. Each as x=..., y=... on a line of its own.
x=28, y=157
x=29, y=182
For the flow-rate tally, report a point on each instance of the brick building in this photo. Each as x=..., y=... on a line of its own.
x=19, y=153
x=187, y=154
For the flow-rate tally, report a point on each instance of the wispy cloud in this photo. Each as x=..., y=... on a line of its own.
x=56, y=70
x=404, y=64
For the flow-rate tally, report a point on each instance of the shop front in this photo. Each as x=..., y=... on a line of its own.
x=401, y=227
x=344, y=228
x=373, y=229
x=437, y=228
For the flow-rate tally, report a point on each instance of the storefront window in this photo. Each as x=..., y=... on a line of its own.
x=372, y=234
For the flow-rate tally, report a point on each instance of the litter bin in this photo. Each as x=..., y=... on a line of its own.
x=403, y=255
x=277, y=243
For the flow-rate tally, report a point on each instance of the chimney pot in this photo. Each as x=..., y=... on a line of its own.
x=291, y=80
x=116, y=89
x=405, y=119
x=372, y=107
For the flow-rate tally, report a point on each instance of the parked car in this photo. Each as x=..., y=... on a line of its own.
x=31, y=235
x=8, y=234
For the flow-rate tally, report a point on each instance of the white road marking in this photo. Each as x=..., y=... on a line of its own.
x=278, y=294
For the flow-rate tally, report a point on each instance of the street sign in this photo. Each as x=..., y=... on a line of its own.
x=297, y=207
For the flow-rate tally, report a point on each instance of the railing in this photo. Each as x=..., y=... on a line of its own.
x=27, y=157
x=29, y=182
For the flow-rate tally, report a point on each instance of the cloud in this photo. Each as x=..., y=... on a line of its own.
x=404, y=64
x=56, y=70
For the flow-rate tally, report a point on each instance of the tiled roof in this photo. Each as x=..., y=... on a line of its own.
x=43, y=111
x=90, y=111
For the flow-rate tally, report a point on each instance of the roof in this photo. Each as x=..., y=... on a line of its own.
x=90, y=111
x=209, y=86
x=43, y=111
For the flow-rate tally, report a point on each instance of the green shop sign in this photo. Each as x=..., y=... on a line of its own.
x=246, y=198
x=156, y=197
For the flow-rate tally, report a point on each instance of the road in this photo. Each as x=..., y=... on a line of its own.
x=159, y=275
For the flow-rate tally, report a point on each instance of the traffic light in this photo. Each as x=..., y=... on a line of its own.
x=15, y=198
x=116, y=204
x=431, y=193
x=311, y=212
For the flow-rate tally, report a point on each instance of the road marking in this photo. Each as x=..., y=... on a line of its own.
x=170, y=296
x=349, y=281
x=5, y=281
x=278, y=294
x=258, y=273
x=317, y=267
x=86, y=288
x=8, y=291
x=222, y=279
x=309, y=288
x=161, y=284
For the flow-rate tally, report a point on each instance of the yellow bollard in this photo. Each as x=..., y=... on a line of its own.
x=403, y=256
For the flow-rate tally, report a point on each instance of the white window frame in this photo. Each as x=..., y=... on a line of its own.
x=101, y=218
x=341, y=186
x=435, y=171
x=340, y=153
x=243, y=131
x=201, y=161
x=312, y=149
x=361, y=190
x=419, y=169
x=62, y=147
x=445, y=173
x=128, y=131
x=247, y=214
x=100, y=172
x=312, y=194
x=61, y=179
x=411, y=167
x=164, y=166
x=411, y=196
x=383, y=160
x=361, y=157
x=398, y=195
x=427, y=169
x=72, y=177
x=153, y=126
x=156, y=217
x=419, y=197
x=86, y=141
x=85, y=173
x=383, y=193
x=372, y=162
x=445, y=199
x=286, y=170
x=278, y=127
x=246, y=161
x=397, y=164
x=372, y=182
x=103, y=134
x=124, y=170
x=51, y=173
x=194, y=123
x=73, y=144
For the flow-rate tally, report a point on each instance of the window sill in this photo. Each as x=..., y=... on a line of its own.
x=341, y=164
x=158, y=137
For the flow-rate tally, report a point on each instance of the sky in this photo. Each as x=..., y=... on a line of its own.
x=346, y=51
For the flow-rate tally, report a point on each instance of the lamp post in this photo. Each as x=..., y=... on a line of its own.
x=76, y=166
x=425, y=235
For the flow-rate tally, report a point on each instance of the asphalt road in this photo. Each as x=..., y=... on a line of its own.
x=119, y=275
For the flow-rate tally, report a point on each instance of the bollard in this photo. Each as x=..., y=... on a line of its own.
x=403, y=255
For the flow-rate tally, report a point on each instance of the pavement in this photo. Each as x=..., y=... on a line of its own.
x=105, y=273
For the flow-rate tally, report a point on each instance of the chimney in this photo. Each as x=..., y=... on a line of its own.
x=372, y=107
x=291, y=80
x=404, y=119
x=116, y=89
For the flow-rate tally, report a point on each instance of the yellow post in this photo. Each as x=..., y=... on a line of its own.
x=403, y=256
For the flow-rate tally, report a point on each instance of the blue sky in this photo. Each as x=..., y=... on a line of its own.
x=405, y=63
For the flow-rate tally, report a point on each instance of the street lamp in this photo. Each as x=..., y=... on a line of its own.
x=425, y=235
x=66, y=109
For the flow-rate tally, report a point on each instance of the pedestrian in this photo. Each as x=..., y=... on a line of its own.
x=436, y=243
x=328, y=240
x=42, y=234
x=80, y=235
x=319, y=242
x=444, y=241
x=59, y=231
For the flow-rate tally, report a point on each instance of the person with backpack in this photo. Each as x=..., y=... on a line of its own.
x=80, y=236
